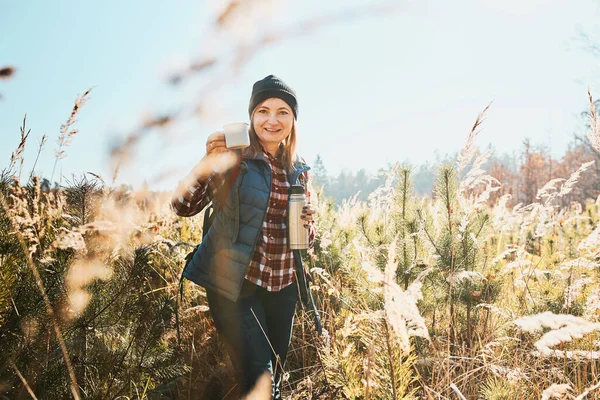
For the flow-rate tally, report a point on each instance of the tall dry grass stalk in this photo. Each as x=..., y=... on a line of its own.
x=563, y=328
x=23, y=380
x=66, y=133
x=17, y=156
x=549, y=191
x=42, y=144
x=594, y=132
x=467, y=153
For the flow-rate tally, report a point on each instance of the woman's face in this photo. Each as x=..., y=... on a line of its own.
x=273, y=121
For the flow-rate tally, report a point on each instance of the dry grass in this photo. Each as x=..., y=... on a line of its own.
x=66, y=133
x=428, y=298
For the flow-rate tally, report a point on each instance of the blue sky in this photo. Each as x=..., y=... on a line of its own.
x=373, y=90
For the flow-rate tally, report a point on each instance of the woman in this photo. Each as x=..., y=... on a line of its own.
x=244, y=261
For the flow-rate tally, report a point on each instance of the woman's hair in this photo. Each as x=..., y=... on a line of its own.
x=288, y=156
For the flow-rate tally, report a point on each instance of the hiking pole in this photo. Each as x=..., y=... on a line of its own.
x=305, y=292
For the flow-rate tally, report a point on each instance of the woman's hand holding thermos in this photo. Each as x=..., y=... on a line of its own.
x=307, y=214
x=300, y=216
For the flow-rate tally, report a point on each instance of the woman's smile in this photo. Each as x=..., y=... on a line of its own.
x=273, y=121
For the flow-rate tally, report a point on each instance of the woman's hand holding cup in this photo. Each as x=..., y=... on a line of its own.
x=218, y=158
x=220, y=154
x=215, y=144
x=233, y=136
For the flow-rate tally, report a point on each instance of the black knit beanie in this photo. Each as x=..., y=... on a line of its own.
x=272, y=86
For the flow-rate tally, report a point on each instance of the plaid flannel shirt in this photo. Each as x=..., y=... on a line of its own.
x=272, y=263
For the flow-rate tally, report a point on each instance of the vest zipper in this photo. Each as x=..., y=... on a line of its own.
x=270, y=183
x=236, y=201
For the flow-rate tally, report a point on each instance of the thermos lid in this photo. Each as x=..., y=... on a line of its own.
x=296, y=189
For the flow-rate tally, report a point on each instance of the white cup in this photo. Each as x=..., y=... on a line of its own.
x=236, y=135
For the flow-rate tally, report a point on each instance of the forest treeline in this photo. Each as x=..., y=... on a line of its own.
x=521, y=174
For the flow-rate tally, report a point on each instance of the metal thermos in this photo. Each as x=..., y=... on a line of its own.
x=297, y=233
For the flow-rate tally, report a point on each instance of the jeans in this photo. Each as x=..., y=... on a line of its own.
x=243, y=332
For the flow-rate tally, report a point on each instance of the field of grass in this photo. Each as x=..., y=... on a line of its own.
x=445, y=297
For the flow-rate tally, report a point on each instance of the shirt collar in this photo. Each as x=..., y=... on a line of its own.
x=271, y=158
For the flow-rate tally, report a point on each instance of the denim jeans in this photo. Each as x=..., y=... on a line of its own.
x=243, y=332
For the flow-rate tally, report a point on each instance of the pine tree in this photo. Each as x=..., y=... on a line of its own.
x=406, y=226
x=319, y=173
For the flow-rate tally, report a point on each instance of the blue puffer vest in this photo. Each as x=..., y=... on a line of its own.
x=222, y=259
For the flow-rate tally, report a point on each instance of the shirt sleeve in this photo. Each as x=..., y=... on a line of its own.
x=192, y=195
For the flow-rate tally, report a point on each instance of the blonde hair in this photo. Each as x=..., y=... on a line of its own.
x=288, y=145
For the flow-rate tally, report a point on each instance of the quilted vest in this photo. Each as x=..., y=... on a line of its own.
x=223, y=257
